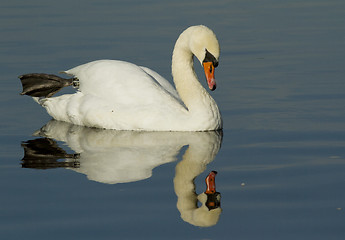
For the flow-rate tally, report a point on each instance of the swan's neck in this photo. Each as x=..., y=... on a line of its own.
x=198, y=101
x=187, y=85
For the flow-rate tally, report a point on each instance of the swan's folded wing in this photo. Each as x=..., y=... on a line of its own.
x=125, y=83
x=161, y=80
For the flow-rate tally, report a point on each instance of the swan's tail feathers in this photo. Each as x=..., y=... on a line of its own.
x=43, y=85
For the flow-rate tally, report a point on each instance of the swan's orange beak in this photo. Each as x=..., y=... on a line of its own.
x=209, y=73
x=211, y=183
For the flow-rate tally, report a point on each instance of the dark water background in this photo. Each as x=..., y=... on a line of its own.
x=281, y=90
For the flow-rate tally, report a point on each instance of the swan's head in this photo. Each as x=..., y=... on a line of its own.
x=204, y=45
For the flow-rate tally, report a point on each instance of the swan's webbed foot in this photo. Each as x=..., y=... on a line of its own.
x=42, y=85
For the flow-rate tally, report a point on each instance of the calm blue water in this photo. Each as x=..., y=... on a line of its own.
x=281, y=90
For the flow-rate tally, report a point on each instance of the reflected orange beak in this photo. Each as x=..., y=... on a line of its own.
x=209, y=73
x=211, y=183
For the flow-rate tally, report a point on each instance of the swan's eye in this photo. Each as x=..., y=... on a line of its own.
x=215, y=63
x=210, y=58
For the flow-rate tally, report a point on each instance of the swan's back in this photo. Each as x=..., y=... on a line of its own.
x=122, y=83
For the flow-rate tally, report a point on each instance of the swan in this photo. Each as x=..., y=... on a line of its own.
x=119, y=95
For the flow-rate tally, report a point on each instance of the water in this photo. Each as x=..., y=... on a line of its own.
x=281, y=91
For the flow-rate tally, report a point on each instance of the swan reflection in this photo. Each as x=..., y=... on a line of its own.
x=111, y=157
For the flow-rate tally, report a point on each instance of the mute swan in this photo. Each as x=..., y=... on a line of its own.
x=120, y=95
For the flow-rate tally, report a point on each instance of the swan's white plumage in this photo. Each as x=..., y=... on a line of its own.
x=120, y=95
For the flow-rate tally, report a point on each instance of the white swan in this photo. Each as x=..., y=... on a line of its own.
x=123, y=96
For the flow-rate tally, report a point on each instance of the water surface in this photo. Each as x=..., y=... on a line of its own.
x=280, y=158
